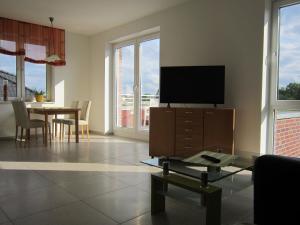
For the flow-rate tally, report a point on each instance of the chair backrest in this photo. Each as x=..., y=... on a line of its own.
x=276, y=190
x=74, y=104
x=21, y=114
x=85, y=110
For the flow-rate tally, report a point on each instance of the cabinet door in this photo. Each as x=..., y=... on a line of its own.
x=162, y=132
x=219, y=129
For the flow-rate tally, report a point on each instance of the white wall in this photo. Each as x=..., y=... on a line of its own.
x=70, y=82
x=202, y=32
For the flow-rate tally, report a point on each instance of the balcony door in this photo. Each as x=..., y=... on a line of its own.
x=285, y=79
x=136, y=85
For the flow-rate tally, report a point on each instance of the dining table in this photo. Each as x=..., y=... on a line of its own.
x=48, y=111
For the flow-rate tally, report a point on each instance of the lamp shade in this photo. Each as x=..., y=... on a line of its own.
x=52, y=58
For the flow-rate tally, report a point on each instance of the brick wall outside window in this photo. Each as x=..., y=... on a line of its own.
x=287, y=136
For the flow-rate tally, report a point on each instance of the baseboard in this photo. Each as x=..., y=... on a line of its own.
x=8, y=138
x=101, y=133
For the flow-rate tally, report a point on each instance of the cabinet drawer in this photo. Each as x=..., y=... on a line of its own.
x=189, y=144
x=189, y=122
x=189, y=113
x=189, y=130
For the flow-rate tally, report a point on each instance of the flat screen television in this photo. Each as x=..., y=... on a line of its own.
x=192, y=84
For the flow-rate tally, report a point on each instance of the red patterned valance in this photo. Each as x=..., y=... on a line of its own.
x=35, y=42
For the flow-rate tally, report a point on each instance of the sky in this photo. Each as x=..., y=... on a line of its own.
x=149, y=67
x=289, y=50
x=35, y=74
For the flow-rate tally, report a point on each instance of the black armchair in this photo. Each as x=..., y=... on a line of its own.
x=276, y=190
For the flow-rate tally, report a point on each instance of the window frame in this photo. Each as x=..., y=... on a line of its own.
x=275, y=104
x=137, y=130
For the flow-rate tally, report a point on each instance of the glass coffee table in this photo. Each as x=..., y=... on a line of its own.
x=195, y=170
x=190, y=176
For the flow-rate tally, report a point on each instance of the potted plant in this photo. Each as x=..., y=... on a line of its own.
x=39, y=95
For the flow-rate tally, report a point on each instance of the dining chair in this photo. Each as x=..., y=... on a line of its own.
x=59, y=121
x=83, y=119
x=23, y=120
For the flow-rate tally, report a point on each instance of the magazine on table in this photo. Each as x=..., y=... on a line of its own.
x=201, y=158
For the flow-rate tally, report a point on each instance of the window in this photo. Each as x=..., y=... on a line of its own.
x=35, y=77
x=136, y=84
x=8, y=71
x=284, y=114
x=289, y=53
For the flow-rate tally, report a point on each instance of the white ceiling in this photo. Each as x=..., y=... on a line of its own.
x=83, y=16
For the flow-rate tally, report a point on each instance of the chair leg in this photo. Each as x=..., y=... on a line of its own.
x=63, y=131
x=88, y=132
x=50, y=133
x=69, y=133
x=60, y=131
x=21, y=133
x=55, y=128
x=82, y=131
x=35, y=133
x=43, y=133
x=17, y=128
x=28, y=134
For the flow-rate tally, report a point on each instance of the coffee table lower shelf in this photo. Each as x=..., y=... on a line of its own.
x=211, y=195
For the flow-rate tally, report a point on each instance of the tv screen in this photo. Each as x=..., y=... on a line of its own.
x=192, y=84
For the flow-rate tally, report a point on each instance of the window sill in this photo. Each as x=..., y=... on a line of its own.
x=31, y=103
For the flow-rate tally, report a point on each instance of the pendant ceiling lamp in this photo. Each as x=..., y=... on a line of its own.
x=52, y=57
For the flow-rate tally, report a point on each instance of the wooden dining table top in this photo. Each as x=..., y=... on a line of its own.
x=53, y=110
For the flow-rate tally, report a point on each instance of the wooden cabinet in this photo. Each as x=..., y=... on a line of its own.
x=183, y=132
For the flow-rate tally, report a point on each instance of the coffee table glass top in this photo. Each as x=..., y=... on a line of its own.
x=195, y=170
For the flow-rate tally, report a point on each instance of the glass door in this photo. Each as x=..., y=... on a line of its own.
x=136, y=85
x=124, y=86
x=285, y=86
x=149, y=80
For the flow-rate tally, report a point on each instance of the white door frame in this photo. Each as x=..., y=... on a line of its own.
x=277, y=105
x=135, y=132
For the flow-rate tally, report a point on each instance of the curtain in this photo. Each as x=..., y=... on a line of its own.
x=34, y=42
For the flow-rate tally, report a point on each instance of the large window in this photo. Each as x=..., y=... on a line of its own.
x=285, y=85
x=23, y=78
x=8, y=71
x=289, y=53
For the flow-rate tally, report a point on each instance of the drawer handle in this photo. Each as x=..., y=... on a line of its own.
x=188, y=121
x=169, y=111
x=187, y=139
x=187, y=130
x=187, y=147
x=209, y=113
x=188, y=112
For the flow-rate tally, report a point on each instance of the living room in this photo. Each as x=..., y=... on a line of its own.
x=237, y=34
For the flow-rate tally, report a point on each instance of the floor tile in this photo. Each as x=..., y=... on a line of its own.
x=92, y=186
x=35, y=201
x=73, y=214
x=122, y=205
x=19, y=181
x=3, y=217
x=62, y=177
x=176, y=214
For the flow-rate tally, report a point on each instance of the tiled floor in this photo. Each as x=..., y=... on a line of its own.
x=100, y=182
